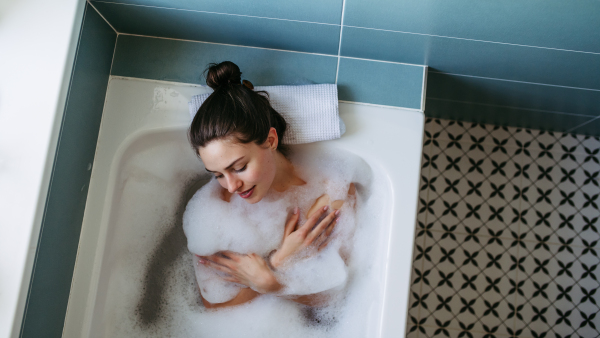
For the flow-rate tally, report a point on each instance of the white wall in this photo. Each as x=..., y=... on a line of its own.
x=38, y=39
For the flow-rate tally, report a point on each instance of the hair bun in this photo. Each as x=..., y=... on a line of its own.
x=223, y=74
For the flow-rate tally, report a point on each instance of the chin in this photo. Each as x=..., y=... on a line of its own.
x=252, y=200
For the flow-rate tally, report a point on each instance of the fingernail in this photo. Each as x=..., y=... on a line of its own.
x=201, y=261
x=325, y=208
x=295, y=210
x=337, y=212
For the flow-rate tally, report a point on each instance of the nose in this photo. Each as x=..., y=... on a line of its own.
x=233, y=183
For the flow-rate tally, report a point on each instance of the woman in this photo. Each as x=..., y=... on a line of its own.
x=238, y=136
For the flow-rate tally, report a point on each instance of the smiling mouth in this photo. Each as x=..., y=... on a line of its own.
x=247, y=193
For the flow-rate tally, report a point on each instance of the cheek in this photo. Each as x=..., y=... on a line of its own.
x=264, y=171
x=253, y=176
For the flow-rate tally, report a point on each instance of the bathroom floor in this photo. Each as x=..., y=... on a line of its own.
x=506, y=241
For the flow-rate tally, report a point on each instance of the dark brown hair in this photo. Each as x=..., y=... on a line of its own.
x=234, y=110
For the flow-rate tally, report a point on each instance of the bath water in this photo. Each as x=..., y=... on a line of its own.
x=157, y=288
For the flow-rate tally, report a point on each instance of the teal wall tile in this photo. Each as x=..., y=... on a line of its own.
x=591, y=128
x=503, y=116
x=324, y=11
x=222, y=28
x=545, y=23
x=184, y=61
x=513, y=94
x=59, y=237
x=382, y=83
x=476, y=58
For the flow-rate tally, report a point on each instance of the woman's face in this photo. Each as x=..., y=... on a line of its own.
x=244, y=169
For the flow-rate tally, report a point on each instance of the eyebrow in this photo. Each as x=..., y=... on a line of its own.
x=229, y=166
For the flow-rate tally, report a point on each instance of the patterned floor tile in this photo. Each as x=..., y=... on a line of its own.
x=453, y=130
x=470, y=280
x=524, y=137
x=589, y=143
x=502, y=136
x=558, y=290
x=507, y=234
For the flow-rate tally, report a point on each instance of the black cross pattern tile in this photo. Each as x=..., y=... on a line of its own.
x=559, y=288
x=506, y=241
x=473, y=187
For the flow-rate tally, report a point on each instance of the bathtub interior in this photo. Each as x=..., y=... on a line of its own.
x=133, y=261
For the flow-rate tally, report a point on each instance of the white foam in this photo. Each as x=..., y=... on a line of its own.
x=213, y=225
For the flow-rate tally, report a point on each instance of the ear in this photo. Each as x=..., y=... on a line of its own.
x=272, y=139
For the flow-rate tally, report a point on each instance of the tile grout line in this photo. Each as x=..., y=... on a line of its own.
x=511, y=107
x=518, y=81
x=473, y=331
x=266, y=48
x=583, y=124
x=337, y=71
x=380, y=105
x=102, y=16
x=112, y=62
x=384, y=61
x=424, y=238
x=218, y=13
x=506, y=238
x=475, y=40
x=273, y=49
x=555, y=152
x=227, y=44
x=25, y=311
x=522, y=163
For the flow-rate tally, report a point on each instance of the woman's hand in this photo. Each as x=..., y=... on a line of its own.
x=296, y=239
x=250, y=270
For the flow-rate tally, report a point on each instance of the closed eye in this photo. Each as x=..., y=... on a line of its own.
x=241, y=169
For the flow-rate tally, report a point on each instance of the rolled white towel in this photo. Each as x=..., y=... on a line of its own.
x=311, y=111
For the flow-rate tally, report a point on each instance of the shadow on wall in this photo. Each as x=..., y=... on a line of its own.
x=172, y=247
x=505, y=103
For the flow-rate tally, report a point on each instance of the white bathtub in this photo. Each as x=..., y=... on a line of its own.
x=143, y=137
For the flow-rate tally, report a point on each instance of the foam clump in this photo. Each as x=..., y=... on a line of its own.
x=212, y=225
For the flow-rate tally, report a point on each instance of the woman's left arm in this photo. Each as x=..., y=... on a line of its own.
x=252, y=270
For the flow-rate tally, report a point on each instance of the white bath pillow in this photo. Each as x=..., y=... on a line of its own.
x=311, y=111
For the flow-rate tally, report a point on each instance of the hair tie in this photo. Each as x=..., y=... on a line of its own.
x=248, y=84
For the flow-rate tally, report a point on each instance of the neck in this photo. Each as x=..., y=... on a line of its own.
x=285, y=175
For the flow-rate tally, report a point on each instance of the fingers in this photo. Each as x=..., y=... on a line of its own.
x=325, y=223
x=291, y=224
x=324, y=237
x=207, y=261
x=234, y=256
x=310, y=223
x=232, y=279
x=324, y=244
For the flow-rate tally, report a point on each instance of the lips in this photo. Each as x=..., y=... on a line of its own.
x=247, y=193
